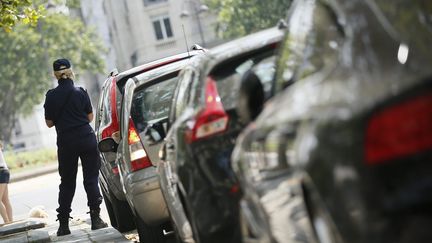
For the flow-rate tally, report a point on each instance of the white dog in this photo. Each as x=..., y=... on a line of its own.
x=38, y=212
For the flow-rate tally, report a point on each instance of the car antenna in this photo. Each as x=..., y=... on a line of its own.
x=187, y=45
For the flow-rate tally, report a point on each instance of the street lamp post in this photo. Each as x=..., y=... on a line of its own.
x=197, y=8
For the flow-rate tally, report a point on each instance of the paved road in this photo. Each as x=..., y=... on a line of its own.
x=43, y=191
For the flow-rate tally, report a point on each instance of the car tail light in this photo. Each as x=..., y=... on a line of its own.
x=401, y=130
x=213, y=118
x=138, y=156
x=113, y=125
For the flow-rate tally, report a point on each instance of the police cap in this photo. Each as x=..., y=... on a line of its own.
x=61, y=64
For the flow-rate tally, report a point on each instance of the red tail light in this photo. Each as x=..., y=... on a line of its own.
x=401, y=130
x=138, y=156
x=213, y=118
x=113, y=125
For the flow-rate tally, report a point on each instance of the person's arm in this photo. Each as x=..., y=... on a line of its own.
x=90, y=116
x=49, y=113
x=49, y=123
x=88, y=107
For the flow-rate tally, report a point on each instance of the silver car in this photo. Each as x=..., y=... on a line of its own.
x=143, y=117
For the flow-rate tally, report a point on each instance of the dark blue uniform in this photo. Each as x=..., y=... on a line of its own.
x=75, y=139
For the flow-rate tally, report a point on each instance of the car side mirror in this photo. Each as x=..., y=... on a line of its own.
x=251, y=97
x=155, y=133
x=107, y=145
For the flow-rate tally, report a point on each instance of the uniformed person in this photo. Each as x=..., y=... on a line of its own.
x=69, y=109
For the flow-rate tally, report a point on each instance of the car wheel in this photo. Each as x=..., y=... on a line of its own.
x=110, y=209
x=149, y=234
x=121, y=214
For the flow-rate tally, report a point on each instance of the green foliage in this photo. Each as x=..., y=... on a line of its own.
x=73, y=4
x=27, y=160
x=241, y=17
x=13, y=12
x=26, y=62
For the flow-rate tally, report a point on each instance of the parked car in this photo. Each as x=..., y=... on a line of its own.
x=196, y=176
x=343, y=153
x=106, y=125
x=145, y=100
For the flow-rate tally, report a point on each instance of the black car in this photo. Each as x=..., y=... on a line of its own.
x=195, y=170
x=344, y=152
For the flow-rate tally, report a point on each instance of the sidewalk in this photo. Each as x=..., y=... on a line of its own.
x=80, y=227
x=45, y=229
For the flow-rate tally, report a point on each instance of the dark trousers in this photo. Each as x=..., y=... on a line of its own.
x=70, y=148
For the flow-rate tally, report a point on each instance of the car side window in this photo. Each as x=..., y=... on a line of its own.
x=151, y=103
x=311, y=43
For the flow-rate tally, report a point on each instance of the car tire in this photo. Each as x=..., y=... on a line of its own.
x=120, y=213
x=110, y=209
x=149, y=234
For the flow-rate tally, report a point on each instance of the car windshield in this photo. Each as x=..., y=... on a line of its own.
x=152, y=103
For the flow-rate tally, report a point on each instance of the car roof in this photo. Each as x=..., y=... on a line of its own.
x=153, y=74
x=247, y=43
x=236, y=48
x=122, y=77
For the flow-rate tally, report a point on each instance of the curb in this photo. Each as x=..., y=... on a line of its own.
x=24, y=231
x=33, y=173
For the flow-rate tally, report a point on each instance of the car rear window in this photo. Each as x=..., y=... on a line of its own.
x=229, y=75
x=152, y=103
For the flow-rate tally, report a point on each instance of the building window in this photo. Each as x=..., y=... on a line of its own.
x=162, y=28
x=150, y=2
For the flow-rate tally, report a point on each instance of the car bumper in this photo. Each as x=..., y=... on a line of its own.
x=143, y=192
x=275, y=209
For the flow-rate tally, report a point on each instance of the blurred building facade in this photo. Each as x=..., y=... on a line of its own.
x=133, y=32
x=93, y=15
x=31, y=132
x=146, y=30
